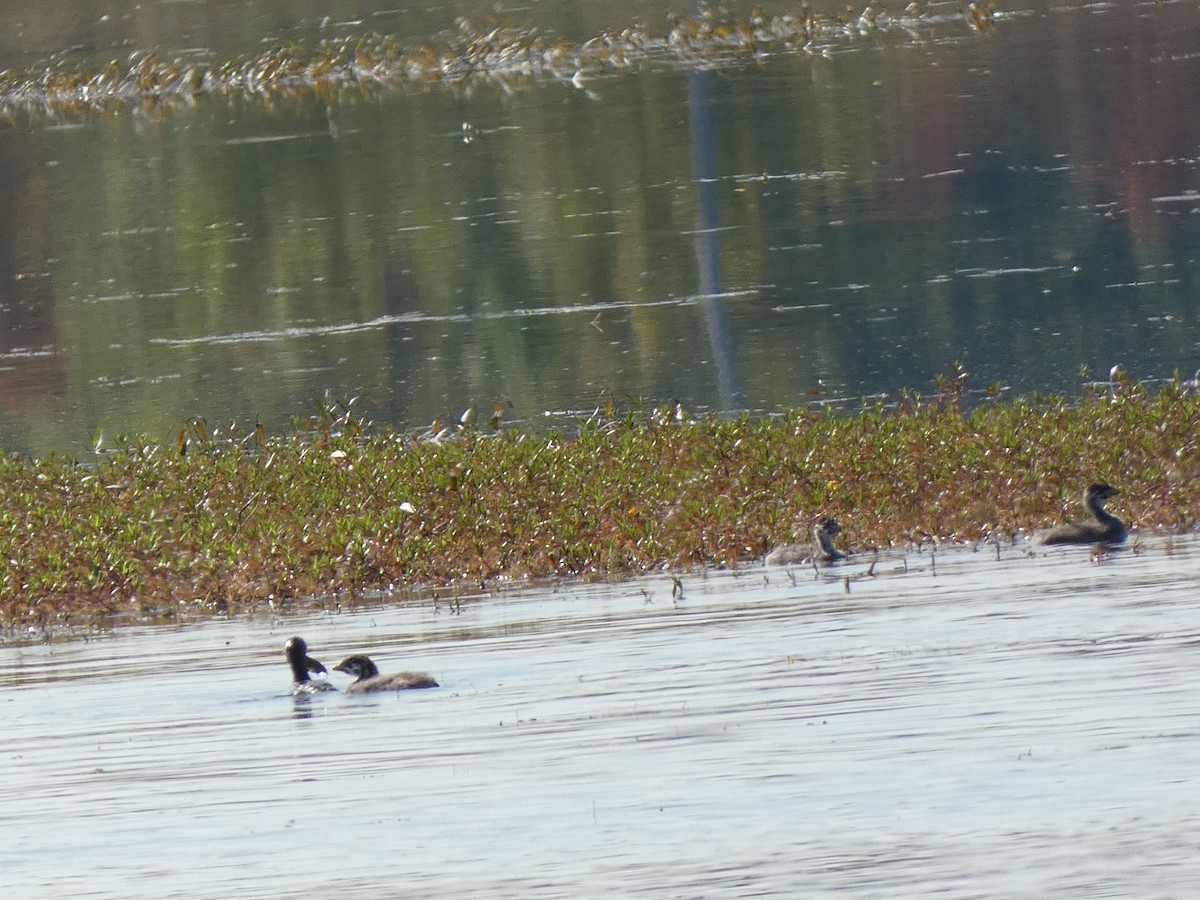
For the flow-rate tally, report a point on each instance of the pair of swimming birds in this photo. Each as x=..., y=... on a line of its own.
x=366, y=674
x=1103, y=528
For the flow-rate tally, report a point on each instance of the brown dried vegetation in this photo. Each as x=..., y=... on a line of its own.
x=363, y=64
x=233, y=522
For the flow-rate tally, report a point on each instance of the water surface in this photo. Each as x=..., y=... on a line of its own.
x=962, y=725
x=801, y=227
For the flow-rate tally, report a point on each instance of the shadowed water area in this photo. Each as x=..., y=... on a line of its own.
x=965, y=725
x=820, y=221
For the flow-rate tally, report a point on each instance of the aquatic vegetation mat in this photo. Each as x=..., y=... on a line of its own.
x=503, y=53
x=234, y=521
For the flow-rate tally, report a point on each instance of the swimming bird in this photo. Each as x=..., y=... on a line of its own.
x=368, y=680
x=296, y=651
x=821, y=549
x=1105, y=528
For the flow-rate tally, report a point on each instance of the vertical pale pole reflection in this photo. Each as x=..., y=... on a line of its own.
x=708, y=243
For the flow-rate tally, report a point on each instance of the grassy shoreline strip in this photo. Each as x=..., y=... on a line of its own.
x=229, y=523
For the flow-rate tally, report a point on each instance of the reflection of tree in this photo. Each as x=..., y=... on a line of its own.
x=708, y=242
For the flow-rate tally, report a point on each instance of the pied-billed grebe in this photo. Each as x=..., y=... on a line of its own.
x=296, y=651
x=1104, y=529
x=821, y=549
x=369, y=680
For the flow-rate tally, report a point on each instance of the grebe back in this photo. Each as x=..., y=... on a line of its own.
x=368, y=680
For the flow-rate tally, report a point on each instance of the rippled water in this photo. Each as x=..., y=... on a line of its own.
x=968, y=725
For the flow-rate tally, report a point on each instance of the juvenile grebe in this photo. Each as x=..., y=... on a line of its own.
x=821, y=549
x=1105, y=529
x=296, y=651
x=368, y=678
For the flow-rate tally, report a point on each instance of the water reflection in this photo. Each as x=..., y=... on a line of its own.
x=708, y=238
x=847, y=224
x=302, y=706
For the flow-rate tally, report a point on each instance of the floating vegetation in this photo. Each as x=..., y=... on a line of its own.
x=230, y=521
x=504, y=53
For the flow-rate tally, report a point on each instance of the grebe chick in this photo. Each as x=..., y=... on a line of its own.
x=821, y=549
x=296, y=651
x=368, y=679
x=1104, y=529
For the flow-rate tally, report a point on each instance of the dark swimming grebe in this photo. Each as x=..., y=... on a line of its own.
x=1105, y=529
x=821, y=549
x=296, y=651
x=369, y=679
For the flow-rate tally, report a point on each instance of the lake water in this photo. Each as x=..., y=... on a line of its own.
x=801, y=227
x=964, y=725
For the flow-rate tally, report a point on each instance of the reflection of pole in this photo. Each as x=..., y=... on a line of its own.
x=708, y=243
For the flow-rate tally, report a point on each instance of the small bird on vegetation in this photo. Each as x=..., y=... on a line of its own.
x=296, y=651
x=1104, y=528
x=821, y=548
x=368, y=680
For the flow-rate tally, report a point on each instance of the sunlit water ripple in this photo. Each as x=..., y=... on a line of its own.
x=970, y=726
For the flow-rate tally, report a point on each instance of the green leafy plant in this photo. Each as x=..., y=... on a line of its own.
x=228, y=520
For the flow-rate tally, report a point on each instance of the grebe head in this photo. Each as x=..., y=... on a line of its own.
x=296, y=651
x=359, y=666
x=823, y=534
x=1099, y=492
x=830, y=526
